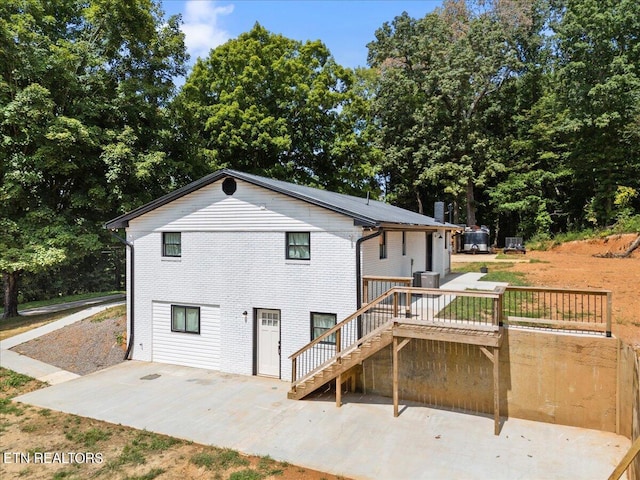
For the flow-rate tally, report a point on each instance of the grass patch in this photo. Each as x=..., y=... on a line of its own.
x=498, y=272
x=219, y=458
x=7, y=407
x=88, y=438
x=112, y=312
x=131, y=454
x=512, y=278
x=12, y=379
x=154, y=442
x=475, y=266
x=23, y=323
x=246, y=474
x=68, y=474
x=270, y=467
x=68, y=298
x=150, y=475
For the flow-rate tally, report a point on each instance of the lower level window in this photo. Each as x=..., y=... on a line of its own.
x=320, y=323
x=185, y=319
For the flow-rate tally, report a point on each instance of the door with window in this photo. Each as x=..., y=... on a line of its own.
x=268, y=342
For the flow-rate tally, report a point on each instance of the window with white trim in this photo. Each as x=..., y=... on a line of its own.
x=298, y=246
x=185, y=319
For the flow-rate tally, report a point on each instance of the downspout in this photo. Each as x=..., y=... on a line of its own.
x=131, y=292
x=359, y=243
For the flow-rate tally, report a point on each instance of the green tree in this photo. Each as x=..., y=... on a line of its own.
x=83, y=88
x=598, y=83
x=438, y=99
x=266, y=104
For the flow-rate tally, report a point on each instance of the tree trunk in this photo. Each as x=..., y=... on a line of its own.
x=634, y=245
x=10, y=294
x=471, y=204
x=419, y=200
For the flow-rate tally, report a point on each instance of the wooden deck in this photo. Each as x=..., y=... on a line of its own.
x=394, y=318
x=401, y=313
x=488, y=336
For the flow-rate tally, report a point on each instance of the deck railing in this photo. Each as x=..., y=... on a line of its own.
x=580, y=310
x=374, y=286
x=432, y=306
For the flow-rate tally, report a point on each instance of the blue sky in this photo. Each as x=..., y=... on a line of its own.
x=344, y=26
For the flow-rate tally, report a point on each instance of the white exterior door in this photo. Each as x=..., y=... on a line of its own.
x=268, y=342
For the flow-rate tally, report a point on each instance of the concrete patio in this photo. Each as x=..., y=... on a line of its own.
x=360, y=440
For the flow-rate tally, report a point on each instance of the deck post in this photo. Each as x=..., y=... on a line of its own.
x=609, y=310
x=294, y=364
x=395, y=376
x=365, y=291
x=339, y=390
x=496, y=390
x=395, y=304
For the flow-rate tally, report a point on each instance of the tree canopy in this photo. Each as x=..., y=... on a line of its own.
x=523, y=115
x=266, y=104
x=82, y=91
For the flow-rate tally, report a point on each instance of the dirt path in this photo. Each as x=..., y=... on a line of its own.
x=573, y=265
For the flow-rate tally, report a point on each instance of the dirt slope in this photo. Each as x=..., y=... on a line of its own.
x=574, y=265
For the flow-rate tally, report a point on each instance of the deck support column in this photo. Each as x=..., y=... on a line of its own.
x=496, y=391
x=396, y=348
x=395, y=376
x=495, y=359
x=339, y=390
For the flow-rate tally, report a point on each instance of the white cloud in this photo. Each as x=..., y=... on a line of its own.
x=201, y=27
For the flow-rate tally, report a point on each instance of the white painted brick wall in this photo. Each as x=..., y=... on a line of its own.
x=233, y=256
x=245, y=270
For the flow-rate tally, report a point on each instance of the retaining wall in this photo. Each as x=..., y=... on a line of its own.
x=544, y=376
x=629, y=400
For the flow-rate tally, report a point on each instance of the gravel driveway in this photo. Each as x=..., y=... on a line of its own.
x=83, y=347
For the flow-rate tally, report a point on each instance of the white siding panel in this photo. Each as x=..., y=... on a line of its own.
x=188, y=349
x=250, y=208
x=415, y=259
x=395, y=264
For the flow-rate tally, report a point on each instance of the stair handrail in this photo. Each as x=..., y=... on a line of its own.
x=338, y=326
x=342, y=353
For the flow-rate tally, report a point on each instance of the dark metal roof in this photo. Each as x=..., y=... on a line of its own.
x=364, y=212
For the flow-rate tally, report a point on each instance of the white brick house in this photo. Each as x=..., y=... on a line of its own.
x=235, y=272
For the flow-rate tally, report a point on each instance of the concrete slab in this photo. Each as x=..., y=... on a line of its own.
x=360, y=440
x=34, y=368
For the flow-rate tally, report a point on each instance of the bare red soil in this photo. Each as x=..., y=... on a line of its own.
x=575, y=265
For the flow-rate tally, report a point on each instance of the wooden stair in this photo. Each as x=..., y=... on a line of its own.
x=367, y=346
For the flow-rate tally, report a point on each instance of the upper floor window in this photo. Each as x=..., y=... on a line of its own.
x=298, y=245
x=404, y=243
x=171, y=244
